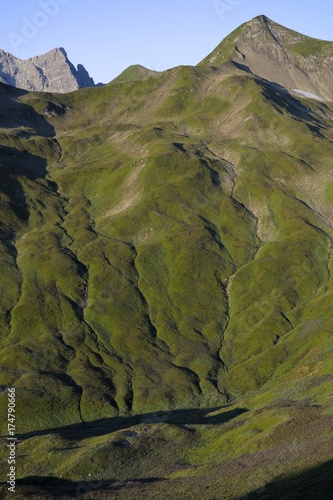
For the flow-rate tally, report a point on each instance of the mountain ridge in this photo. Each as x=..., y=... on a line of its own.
x=51, y=72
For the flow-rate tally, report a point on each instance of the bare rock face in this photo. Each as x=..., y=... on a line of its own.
x=279, y=55
x=51, y=72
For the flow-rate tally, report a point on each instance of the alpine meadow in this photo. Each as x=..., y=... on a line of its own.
x=166, y=278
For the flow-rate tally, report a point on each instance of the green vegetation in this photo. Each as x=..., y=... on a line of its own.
x=310, y=47
x=166, y=287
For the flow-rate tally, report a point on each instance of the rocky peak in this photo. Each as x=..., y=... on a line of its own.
x=51, y=72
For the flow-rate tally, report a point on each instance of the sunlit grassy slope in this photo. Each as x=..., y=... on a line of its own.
x=166, y=291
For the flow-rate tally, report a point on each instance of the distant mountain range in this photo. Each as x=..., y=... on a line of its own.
x=261, y=46
x=51, y=72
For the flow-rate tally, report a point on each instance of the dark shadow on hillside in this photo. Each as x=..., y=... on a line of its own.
x=13, y=164
x=281, y=98
x=242, y=67
x=180, y=147
x=107, y=425
x=315, y=483
x=54, y=487
x=18, y=114
x=7, y=238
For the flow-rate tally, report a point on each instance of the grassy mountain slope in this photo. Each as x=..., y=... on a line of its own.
x=166, y=284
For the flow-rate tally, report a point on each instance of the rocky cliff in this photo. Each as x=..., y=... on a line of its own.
x=52, y=72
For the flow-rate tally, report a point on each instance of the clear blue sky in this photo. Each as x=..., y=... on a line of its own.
x=107, y=36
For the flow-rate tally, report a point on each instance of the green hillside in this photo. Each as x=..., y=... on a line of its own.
x=166, y=284
x=134, y=73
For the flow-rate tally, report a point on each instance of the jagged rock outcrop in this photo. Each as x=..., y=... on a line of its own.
x=279, y=55
x=51, y=72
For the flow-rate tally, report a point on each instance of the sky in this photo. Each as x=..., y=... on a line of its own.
x=107, y=36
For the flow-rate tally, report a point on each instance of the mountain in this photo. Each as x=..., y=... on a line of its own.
x=134, y=73
x=280, y=55
x=166, y=284
x=51, y=72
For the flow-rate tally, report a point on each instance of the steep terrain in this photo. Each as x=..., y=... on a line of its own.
x=51, y=72
x=280, y=55
x=166, y=286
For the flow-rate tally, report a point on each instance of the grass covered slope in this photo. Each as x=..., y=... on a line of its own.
x=166, y=286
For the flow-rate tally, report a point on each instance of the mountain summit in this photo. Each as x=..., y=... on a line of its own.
x=52, y=72
x=280, y=55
